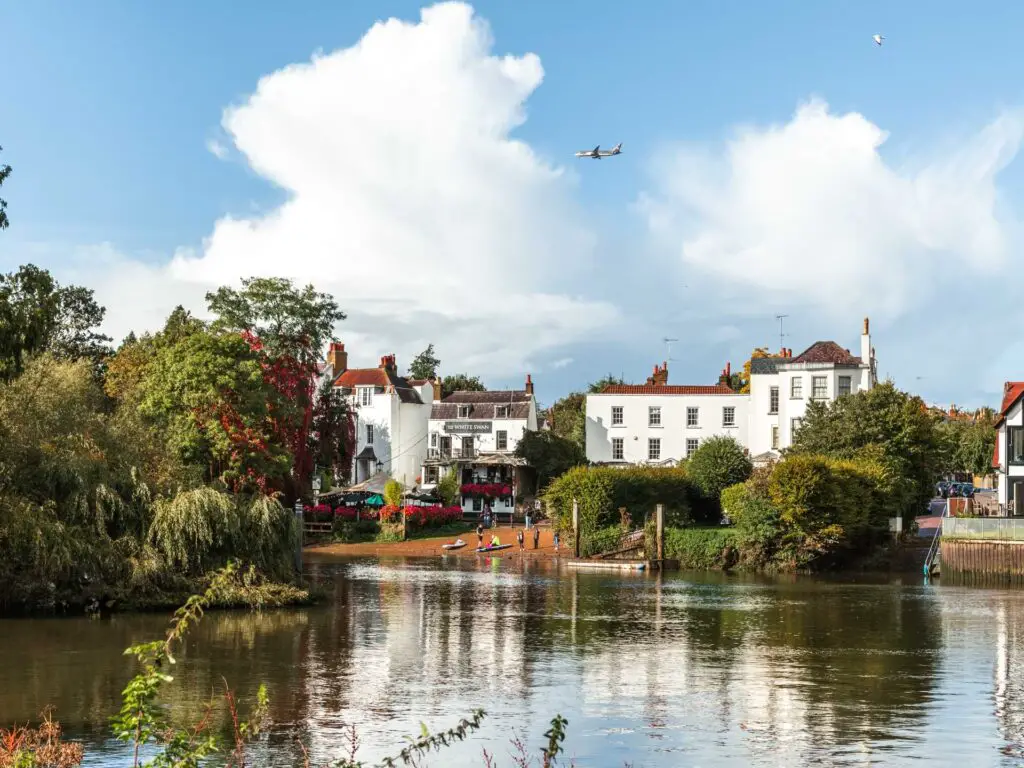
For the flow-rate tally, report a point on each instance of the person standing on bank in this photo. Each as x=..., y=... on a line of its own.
x=520, y=537
x=536, y=536
x=479, y=534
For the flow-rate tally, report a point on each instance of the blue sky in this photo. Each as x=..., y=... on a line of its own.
x=108, y=113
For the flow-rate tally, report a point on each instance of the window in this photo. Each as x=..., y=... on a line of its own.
x=478, y=504
x=845, y=385
x=773, y=400
x=654, y=449
x=369, y=434
x=467, y=445
x=431, y=475
x=796, y=388
x=729, y=416
x=433, y=439
x=618, y=449
x=507, y=501
x=794, y=425
x=616, y=415
x=819, y=387
x=1015, y=449
x=691, y=445
x=654, y=416
x=501, y=411
x=463, y=411
x=692, y=416
x=775, y=437
x=364, y=395
x=446, y=445
x=501, y=440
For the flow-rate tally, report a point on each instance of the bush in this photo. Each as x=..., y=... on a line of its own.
x=601, y=491
x=393, y=493
x=448, y=488
x=717, y=464
x=701, y=548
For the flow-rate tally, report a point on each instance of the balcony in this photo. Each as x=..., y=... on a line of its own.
x=451, y=453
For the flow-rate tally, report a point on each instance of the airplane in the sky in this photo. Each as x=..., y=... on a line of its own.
x=597, y=154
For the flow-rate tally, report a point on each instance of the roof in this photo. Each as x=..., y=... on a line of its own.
x=497, y=397
x=1012, y=392
x=666, y=389
x=761, y=365
x=379, y=377
x=826, y=352
x=448, y=411
x=367, y=453
x=418, y=382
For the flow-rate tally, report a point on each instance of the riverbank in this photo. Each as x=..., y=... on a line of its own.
x=431, y=547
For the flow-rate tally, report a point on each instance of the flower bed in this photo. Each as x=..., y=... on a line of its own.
x=433, y=516
x=487, y=490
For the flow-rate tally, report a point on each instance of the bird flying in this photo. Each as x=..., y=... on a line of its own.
x=878, y=39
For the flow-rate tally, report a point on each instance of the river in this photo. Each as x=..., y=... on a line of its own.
x=679, y=670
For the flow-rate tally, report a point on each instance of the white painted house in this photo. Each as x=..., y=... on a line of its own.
x=1008, y=457
x=476, y=434
x=661, y=423
x=391, y=416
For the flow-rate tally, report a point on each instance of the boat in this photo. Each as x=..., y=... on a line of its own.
x=459, y=544
x=493, y=549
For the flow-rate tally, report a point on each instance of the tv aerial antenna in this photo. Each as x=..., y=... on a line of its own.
x=782, y=336
x=668, y=348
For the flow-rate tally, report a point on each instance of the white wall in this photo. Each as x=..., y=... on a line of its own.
x=378, y=414
x=409, y=449
x=673, y=431
x=1008, y=474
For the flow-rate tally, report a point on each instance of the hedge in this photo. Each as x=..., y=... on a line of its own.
x=702, y=548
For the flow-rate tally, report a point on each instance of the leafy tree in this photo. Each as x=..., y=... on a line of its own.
x=448, y=488
x=393, y=493
x=550, y=455
x=605, y=381
x=5, y=171
x=424, y=365
x=968, y=444
x=741, y=382
x=332, y=439
x=568, y=418
x=886, y=425
x=716, y=464
x=38, y=315
x=460, y=382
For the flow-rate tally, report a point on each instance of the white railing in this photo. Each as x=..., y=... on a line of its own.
x=990, y=528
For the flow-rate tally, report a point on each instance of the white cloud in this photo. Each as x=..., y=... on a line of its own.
x=811, y=213
x=216, y=149
x=407, y=199
x=562, y=362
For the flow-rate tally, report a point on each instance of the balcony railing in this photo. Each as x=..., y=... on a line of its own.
x=982, y=528
x=451, y=453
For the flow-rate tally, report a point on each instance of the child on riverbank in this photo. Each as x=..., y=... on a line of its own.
x=520, y=538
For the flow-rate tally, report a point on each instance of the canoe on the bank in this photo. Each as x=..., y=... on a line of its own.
x=493, y=549
x=457, y=545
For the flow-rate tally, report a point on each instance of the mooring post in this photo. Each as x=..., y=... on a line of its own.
x=298, y=540
x=659, y=512
x=576, y=528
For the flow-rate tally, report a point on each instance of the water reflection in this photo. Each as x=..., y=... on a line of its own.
x=661, y=670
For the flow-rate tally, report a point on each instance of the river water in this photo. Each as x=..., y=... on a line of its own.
x=679, y=670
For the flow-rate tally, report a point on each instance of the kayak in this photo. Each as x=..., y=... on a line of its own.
x=493, y=549
x=457, y=545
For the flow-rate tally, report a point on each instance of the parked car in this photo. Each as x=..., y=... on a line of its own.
x=942, y=489
x=961, y=490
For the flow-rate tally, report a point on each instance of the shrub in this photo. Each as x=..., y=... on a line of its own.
x=701, y=548
x=718, y=463
x=393, y=493
x=448, y=488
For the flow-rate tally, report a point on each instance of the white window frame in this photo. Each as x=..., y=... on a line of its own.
x=849, y=385
x=773, y=400
x=617, y=416
x=775, y=437
x=620, y=444
x=694, y=411
x=815, y=380
x=501, y=440
x=369, y=434
x=433, y=439
x=654, y=416
x=364, y=395
x=729, y=416
x=502, y=411
x=463, y=411
x=794, y=425
x=654, y=447
x=695, y=442
x=796, y=388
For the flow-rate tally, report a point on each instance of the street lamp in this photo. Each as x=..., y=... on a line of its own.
x=380, y=466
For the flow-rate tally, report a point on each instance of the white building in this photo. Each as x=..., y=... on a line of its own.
x=391, y=416
x=1008, y=457
x=476, y=434
x=661, y=423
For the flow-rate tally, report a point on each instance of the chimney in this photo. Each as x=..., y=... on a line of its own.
x=728, y=370
x=388, y=364
x=529, y=385
x=866, y=352
x=661, y=375
x=437, y=390
x=337, y=358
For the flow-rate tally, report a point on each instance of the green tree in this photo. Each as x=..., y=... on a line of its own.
x=460, y=382
x=967, y=444
x=885, y=425
x=568, y=418
x=605, y=381
x=716, y=464
x=549, y=454
x=393, y=493
x=5, y=171
x=332, y=438
x=39, y=315
x=448, y=488
x=424, y=365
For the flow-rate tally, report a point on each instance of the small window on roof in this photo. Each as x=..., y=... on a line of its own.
x=463, y=411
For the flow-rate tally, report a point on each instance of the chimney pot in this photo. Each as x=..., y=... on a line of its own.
x=866, y=326
x=529, y=385
x=337, y=358
x=437, y=390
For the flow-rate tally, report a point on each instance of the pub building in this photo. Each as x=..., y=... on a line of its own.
x=475, y=435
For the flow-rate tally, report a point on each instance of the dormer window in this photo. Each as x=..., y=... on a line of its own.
x=463, y=411
x=502, y=411
x=364, y=395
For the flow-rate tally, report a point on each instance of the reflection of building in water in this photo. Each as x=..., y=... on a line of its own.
x=1008, y=688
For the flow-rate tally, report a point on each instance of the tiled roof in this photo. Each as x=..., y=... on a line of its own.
x=508, y=396
x=667, y=389
x=378, y=377
x=826, y=352
x=760, y=365
x=449, y=411
x=1012, y=392
x=418, y=382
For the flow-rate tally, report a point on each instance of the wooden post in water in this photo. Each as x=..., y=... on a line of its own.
x=659, y=511
x=576, y=528
x=301, y=525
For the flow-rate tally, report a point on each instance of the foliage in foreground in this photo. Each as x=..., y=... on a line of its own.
x=144, y=723
x=716, y=464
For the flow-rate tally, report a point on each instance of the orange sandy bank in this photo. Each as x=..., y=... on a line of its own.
x=431, y=547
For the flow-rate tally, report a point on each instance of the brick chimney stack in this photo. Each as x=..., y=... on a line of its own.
x=529, y=385
x=437, y=390
x=337, y=358
x=660, y=377
x=388, y=364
